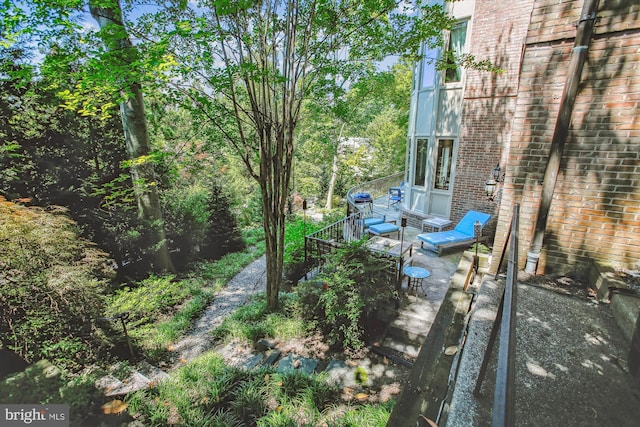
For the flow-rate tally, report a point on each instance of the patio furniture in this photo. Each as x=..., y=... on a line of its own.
x=418, y=274
x=399, y=252
x=395, y=195
x=461, y=235
x=384, y=229
x=391, y=247
x=368, y=216
x=435, y=222
x=362, y=198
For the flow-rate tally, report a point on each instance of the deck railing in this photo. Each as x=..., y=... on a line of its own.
x=376, y=188
x=326, y=240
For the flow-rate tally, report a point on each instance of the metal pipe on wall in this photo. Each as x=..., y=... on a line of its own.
x=579, y=55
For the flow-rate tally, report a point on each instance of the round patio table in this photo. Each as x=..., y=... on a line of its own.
x=418, y=274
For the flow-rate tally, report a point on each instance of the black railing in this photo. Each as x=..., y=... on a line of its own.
x=504, y=396
x=376, y=188
x=326, y=240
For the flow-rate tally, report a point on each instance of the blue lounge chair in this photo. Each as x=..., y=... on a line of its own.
x=459, y=236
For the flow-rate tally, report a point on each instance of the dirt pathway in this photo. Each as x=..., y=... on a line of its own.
x=251, y=280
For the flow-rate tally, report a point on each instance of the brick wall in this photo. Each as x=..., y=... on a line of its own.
x=489, y=103
x=595, y=212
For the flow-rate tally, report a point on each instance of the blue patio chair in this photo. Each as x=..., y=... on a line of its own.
x=461, y=235
x=368, y=216
x=395, y=195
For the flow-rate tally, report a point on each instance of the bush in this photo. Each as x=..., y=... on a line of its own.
x=52, y=286
x=199, y=223
x=295, y=231
x=44, y=383
x=344, y=298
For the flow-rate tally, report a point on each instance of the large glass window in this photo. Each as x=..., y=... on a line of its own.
x=455, y=49
x=421, y=162
x=429, y=67
x=443, y=165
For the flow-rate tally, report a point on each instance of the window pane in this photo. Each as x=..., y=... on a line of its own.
x=457, y=39
x=429, y=68
x=443, y=165
x=421, y=162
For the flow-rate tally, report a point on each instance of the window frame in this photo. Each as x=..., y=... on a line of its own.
x=458, y=70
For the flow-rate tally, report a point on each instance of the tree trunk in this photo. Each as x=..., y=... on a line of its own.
x=332, y=181
x=136, y=135
x=274, y=181
x=334, y=172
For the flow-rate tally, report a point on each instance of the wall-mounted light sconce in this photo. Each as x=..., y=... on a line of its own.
x=491, y=185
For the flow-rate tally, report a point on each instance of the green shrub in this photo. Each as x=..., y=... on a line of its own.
x=43, y=383
x=355, y=284
x=205, y=392
x=199, y=223
x=52, y=286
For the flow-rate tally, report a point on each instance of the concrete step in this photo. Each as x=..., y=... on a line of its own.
x=625, y=302
x=401, y=346
x=410, y=326
x=142, y=376
x=408, y=329
x=626, y=309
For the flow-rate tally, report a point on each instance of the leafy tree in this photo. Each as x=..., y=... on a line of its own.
x=248, y=66
x=375, y=108
x=110, y=74
x=52, y=286
x=124, y=55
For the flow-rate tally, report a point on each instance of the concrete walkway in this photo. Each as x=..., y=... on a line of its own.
x=571, y=367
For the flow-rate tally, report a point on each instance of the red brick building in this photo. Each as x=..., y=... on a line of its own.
x=463, y=126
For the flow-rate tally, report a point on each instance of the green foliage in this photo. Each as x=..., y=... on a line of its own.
x=150, y=298
x=482, y=248
x=254, y=321
x=295, y=230
x=199, y=223
x=206, y=392
x=162, y=308
x=52, y=286
x=355, y=284
x=44, y=383
x=361, y=376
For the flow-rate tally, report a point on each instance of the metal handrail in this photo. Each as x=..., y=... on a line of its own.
x=376, y=188
x=331, y=237
x=505, y=322
x=504, y=396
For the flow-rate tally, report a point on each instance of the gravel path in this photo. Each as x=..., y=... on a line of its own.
x=251, y=280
